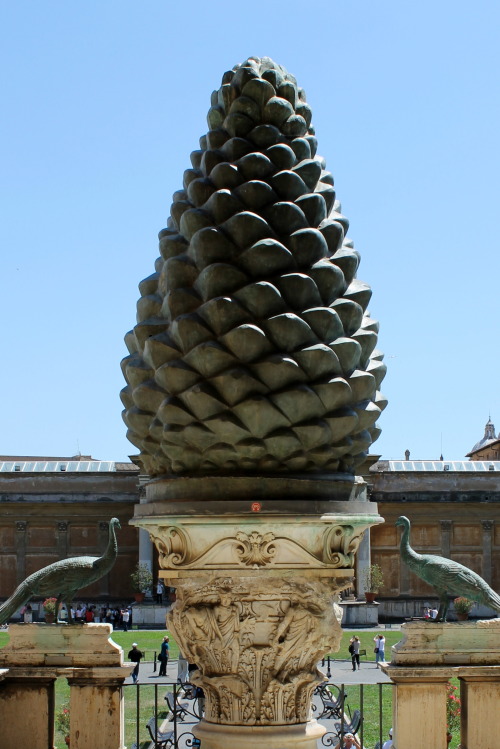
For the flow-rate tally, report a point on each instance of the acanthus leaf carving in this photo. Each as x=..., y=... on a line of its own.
x=257, y=642
x=255, y=549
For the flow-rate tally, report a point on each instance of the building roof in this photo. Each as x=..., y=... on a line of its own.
x=413, y=466
x=75, y=464
x=489, y=438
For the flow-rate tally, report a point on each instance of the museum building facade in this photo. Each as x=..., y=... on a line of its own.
x=52, y=508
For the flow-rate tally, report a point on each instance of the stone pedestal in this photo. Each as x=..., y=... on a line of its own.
x=419, y=707
x=422, y=664
x=96, y=707
x=359, y=613
x=27, y=708
x=256, y=574
x=480, y=698
x=213, y=736
x=35, y=656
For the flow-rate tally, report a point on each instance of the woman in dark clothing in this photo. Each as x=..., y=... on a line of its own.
x=163, y=657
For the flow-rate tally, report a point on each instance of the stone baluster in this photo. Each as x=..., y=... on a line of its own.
x=96, y=707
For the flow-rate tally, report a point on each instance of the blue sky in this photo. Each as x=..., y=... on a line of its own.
x=102, y=104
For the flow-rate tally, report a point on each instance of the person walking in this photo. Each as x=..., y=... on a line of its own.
x=27, y=613
x=354, y=647
x=89, y=615
x=182, y=669
x=135, y=655
x=379, y=641
x=125, y=619
x=159, y=592
x=163, y=657
x=63, y=614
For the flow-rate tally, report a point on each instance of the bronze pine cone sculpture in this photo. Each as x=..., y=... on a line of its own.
x=253, y=351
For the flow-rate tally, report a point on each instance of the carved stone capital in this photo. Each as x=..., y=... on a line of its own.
x=63, y=526
x=243, y=542
x=257, y=640
x=21, y=525
x=488, y=525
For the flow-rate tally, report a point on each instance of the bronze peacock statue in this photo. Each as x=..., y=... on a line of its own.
x=445, y=575
x=63, y=578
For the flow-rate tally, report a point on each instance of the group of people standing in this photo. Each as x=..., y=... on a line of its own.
x=355, y=646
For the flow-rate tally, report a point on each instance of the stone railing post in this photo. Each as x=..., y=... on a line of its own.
x=27, y=691
x=96, y=706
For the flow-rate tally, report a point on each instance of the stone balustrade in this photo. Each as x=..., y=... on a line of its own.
x=428, y=656
x=38, y=654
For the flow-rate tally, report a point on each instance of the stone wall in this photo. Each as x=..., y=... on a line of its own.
x=456, y=515
x=45, y=517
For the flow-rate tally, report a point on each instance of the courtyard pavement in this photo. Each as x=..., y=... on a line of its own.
x=341, y=672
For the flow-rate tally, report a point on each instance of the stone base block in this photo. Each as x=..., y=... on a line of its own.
x=301, y=735
x=149, y=615
x=359, y=614
x=61, y=645
x=453, y=644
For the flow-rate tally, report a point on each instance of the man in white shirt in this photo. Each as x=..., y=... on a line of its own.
x=388, y=744
x=125, y=619
x=433, y=612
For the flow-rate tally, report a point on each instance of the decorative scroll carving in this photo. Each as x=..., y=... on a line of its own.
x=174, y=548
x=255, y=549
x=257, y=641
x=340, y=545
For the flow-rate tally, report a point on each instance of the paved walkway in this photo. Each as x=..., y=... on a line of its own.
x=341, y=672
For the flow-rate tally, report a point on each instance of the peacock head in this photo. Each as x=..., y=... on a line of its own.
x=403, y=521
x=114, y=523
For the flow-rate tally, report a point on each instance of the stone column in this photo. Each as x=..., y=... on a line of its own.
x=62, y=539
x=404, y=573
x=21, y=527
x=487, y=549
x=256, y=575
x=446, y=526
x=363, y=558
x=145, y=542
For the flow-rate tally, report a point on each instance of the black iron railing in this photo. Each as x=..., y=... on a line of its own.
x=164, y=715
x=362, y=709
